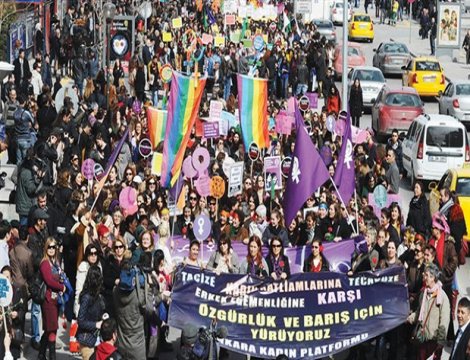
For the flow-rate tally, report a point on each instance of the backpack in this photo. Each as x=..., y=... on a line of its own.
x=127, y=279
x=202, y=345
x=37, y=289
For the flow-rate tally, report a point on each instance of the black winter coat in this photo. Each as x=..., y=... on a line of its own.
x=355, y=101
x=419, y=216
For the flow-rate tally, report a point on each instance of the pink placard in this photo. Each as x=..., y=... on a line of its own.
x=229, y=19
x=390, y=198
x=291, y=105
x=358, y=135
x=284, y=123
x=203, y=185
x=207, y=39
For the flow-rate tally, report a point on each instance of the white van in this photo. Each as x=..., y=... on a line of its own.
x=433, y=144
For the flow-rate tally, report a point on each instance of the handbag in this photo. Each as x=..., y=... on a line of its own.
x=417, y=335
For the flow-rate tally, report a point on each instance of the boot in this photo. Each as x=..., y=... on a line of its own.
x=51, y=346
x=42, y=348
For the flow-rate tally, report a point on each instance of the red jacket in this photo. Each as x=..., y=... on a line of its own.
x=333, y=104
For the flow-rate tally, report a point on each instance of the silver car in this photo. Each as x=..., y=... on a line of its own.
x=326, y=29
x=390, y=57
x=372, y=80
x=455, y=101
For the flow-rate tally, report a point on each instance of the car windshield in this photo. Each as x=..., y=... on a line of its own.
x=402, y=100
x=395, y=48
x=427, y=66
x=352, y=51
x=463, y=186
x=362, y=18
x=324, y=25
x=463, y=89
x=444, y=137
x=370, y=75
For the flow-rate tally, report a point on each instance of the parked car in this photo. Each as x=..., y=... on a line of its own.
x=336, y=12
x=355, y=58
x=326, y=29
x=372, y=81
x=390, y=57
x=458, y=181
x=433, y=144
x=455, y=101
x=361, y=27
x=426, y=75
x=395, y=109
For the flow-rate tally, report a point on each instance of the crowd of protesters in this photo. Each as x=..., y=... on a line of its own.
x=86, y=246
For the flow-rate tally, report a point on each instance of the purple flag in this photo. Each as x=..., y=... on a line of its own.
x=345, y=175
x=307, y=173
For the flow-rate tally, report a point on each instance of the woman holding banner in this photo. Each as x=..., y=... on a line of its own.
x=254, y=264
x=224, y=260
x=278, y=263
x=316, y=262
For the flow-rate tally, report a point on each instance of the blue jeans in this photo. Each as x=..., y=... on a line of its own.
x=35, y=316
x=24, y=220
x=22, y=147
x=301, y=89
x=284, y=86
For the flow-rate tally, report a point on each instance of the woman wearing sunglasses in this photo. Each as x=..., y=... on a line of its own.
x=53, y=277
x=112, y=269
x=278, y=263
x=91, y=258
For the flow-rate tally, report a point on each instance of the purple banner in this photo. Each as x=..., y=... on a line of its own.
x=338, y=254
x=211, y=130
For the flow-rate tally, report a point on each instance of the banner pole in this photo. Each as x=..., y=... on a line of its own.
x=341, y=199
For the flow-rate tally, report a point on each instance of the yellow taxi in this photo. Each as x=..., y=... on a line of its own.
x=426, y=75
x=458, y=180
x=361, y=27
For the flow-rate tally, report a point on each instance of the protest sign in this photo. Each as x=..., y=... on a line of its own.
x=217, y=187
x=235, y=179
x=223, y=127
x=380, y=199
x=235, y=37
x=211, y=130
x=310, y=315
x=207, y=39
x=219, y=40
x=313, y=98
x=215, y=110
x=272, y=172
x=6, y=291
x=177, y=23
x=230, y=19
x=202, y=227
x=284, y=123
x=88, y=169
x=157, y=159
x=167, y=37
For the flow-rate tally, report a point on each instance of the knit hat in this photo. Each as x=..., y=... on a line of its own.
x=439, y=222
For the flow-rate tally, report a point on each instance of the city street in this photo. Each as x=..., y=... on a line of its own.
x=417, y=46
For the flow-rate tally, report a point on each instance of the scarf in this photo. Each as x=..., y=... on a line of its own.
x=439, y=246
x=278, y=265
x=445, y=208
x=435, y=291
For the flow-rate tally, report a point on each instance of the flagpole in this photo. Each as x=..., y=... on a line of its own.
x=357, y=210
x=341, y=199
x=176, y=207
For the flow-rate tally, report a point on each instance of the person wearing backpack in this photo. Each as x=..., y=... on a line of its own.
x=107, y=350
x=24, y=129
x=129, y=305
x=53, y=276
x=9, y=109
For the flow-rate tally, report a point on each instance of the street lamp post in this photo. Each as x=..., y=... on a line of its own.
x=109, y=12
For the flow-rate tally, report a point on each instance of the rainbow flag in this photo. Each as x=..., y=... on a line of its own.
x=156, y=123
x=183, y=107
x=253, y=109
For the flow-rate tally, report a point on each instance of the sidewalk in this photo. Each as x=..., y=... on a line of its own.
x=454, y=70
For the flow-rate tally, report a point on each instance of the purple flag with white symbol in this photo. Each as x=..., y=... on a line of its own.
x=307, y=173
x=344, y=174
